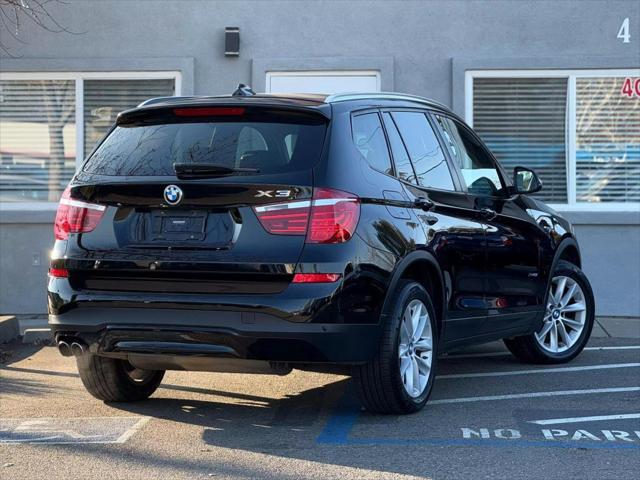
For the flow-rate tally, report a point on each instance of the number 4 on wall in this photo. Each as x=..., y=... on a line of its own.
x=630, y=87
x=623, y=33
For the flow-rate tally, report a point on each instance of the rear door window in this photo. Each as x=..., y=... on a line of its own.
x=427, y=157
x=368, y=137
x=271, y=143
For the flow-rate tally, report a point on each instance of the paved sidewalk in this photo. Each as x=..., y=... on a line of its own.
x=617, y=327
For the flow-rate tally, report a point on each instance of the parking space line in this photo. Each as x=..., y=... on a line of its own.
x=594, y=418
x=504, y=354
x=129, y=433
x=619, y=347
x=556, y=393
x=342, y=420
x=539, y=370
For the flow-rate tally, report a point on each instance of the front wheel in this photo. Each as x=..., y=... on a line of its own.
x=568, y=320
x=400, y=378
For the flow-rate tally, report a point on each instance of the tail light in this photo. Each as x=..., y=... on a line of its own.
x=288, y=218
x=330, y=217
x=58, y=272
x=334, y=216
x=75, y=216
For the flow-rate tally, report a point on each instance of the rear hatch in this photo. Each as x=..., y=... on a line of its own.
x=183, y=200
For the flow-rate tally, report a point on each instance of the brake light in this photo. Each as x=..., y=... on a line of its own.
x=316, y=277
x=58, y=272
x=208, y=111
x=75, y=216
x=287, y=218
x=330, y=217
x=334, y=216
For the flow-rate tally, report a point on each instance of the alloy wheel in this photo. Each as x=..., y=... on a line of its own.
x=565, y=316
x=416, y=348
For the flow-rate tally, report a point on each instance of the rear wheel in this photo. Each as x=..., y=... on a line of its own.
x=568, y=320
x=115, y=380
x=399, y=379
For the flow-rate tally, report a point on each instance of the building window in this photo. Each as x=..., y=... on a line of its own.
x=607, y=142
x=575, y=128
x=50, y=122
x=37, y=138
x=104, y=99
x=323, y=82
x=523, y=121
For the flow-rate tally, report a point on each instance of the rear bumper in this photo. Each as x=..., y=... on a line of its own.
x=213, y=333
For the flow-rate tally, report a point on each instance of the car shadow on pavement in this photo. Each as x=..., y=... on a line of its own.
x=15, y=351
x=284, y=427
x=16, y=387
x=242, y=413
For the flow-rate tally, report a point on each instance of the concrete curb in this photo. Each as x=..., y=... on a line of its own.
x=37, y=335
x=32, y=328
x=9, y=328
x=619, y=327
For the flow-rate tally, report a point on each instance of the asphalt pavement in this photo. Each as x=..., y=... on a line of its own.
x=489, y=417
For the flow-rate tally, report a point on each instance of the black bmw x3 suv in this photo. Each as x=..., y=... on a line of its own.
x=366, y=233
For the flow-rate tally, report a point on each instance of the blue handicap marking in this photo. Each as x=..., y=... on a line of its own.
x=341, y=422
x=344, y=418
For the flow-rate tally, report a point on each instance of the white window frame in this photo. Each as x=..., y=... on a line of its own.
x=324, y=73
x=79, y=78
x=570, y=132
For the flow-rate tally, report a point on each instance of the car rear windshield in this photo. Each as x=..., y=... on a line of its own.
x=266, y=141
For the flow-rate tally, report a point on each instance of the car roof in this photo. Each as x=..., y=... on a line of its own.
x=297, y=99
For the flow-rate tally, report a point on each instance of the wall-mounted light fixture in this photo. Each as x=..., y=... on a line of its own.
x=232, y=41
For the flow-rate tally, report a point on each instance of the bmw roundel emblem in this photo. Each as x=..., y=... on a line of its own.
x=172, y=194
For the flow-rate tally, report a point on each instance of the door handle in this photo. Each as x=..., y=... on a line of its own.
x=423, y=203
x=488, y=213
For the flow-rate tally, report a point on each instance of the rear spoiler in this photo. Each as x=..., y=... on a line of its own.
x=156, y=110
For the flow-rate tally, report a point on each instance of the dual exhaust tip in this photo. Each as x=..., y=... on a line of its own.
x=70, y=349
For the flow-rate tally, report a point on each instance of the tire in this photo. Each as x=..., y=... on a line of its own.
x=379, y=384
x=530, y=349
x=115, y=380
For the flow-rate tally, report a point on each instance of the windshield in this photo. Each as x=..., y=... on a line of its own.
x=269, y=145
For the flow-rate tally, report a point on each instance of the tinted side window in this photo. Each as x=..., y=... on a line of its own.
x=424, y=150
x=368, y=137
x=404, y=170
x=478, y=168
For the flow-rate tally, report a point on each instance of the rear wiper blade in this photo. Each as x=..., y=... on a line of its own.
x=203, y=170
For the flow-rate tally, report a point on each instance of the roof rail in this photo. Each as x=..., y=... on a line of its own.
x=342, y=97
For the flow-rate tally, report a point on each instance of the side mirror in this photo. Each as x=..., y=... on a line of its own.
x=526, y=181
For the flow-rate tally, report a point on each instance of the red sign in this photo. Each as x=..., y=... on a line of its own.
x=631, y=87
